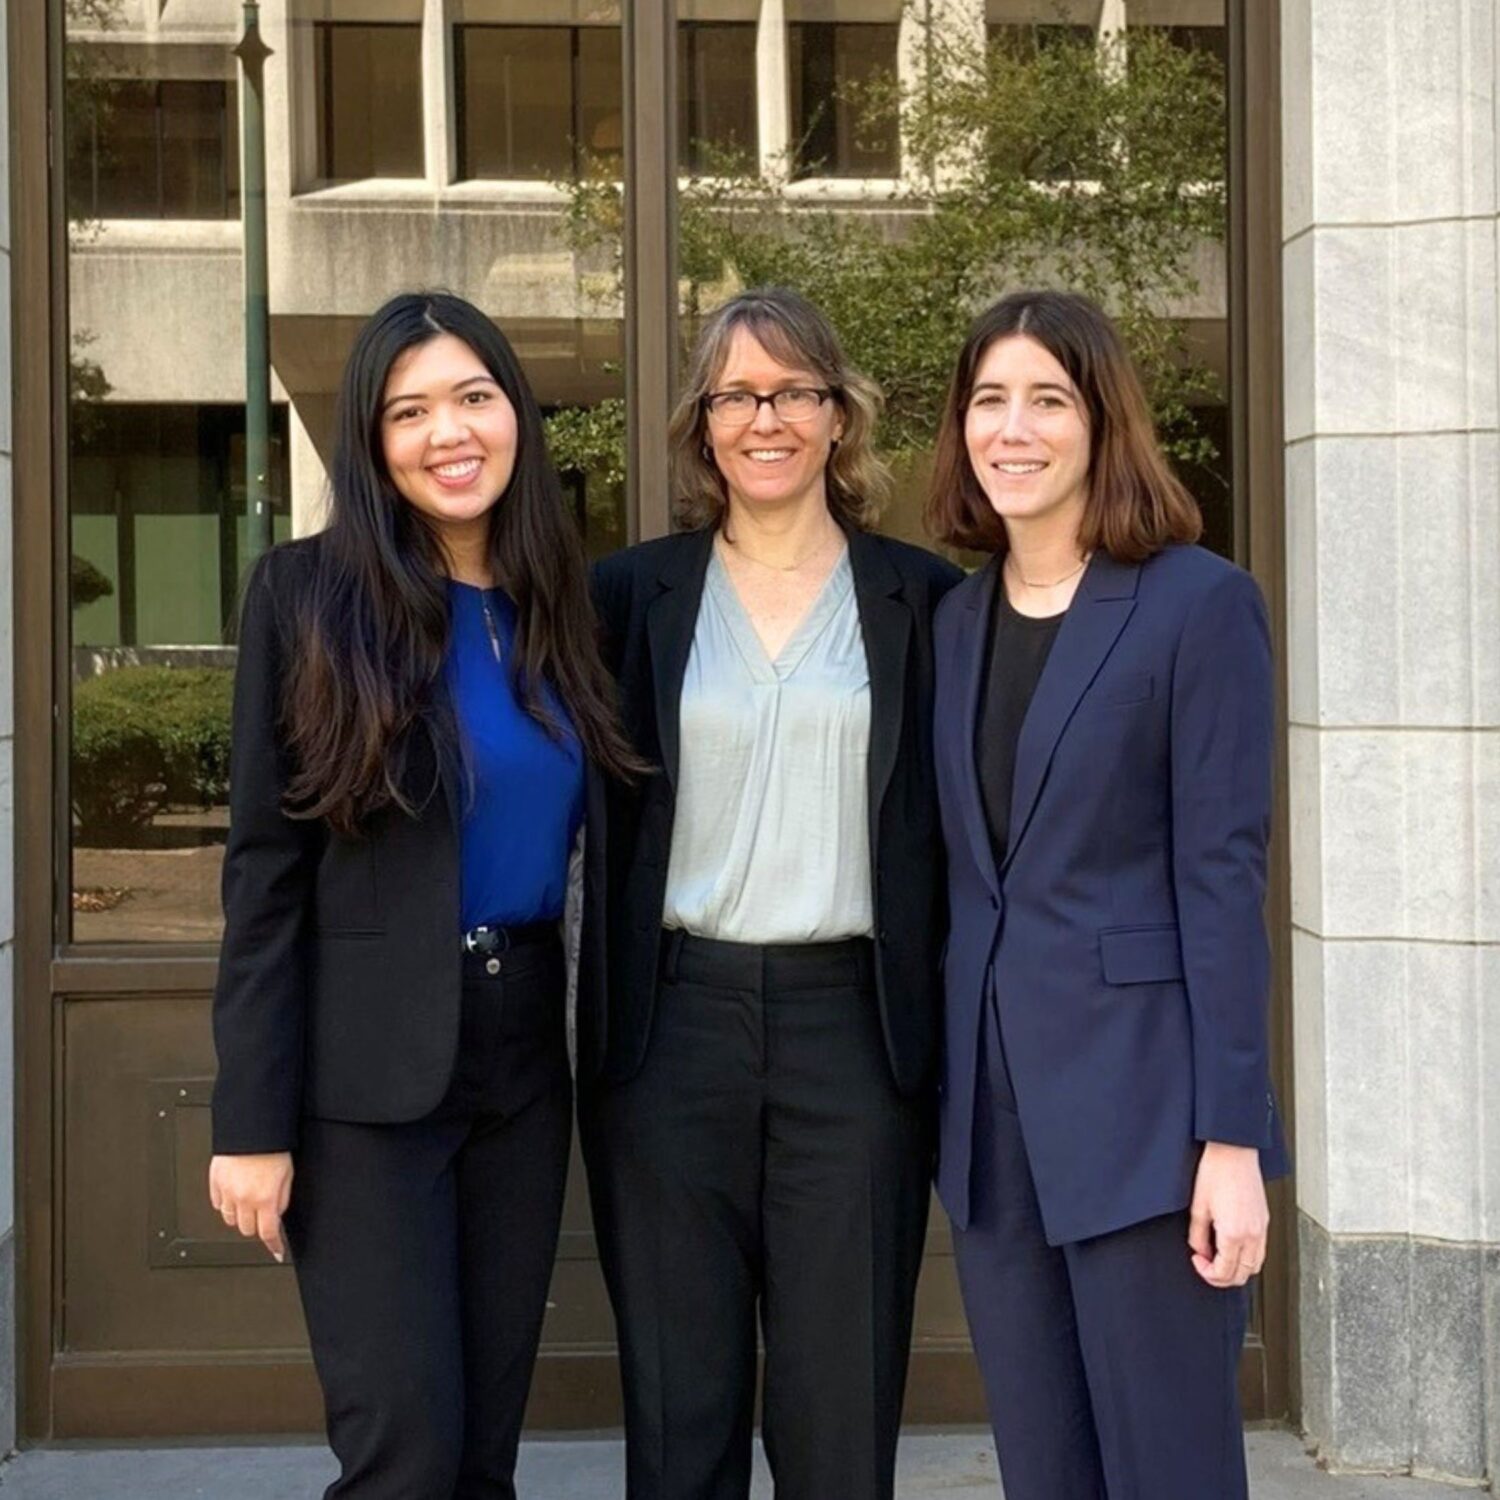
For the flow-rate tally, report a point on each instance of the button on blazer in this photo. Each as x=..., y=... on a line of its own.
x=340, y=972
x=1122, y=939
x=647, y=598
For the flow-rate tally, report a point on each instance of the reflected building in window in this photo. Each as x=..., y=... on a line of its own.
x=415, y=144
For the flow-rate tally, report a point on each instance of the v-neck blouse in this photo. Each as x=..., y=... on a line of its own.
x=770, y=843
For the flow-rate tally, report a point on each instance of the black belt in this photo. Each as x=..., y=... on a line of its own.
x=488, y=939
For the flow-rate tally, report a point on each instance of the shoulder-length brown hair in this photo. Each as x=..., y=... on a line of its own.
x=1136, y=505
x=790, y=329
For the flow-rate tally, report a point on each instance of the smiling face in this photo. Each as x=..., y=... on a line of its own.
x=1027, y=435
x=448, y=435
x=770, y=463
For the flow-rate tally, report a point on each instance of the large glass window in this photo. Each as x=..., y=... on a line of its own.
x=158, y=490
x=834, y=65
x=369, y=100
x=158, y=529
x=154, y=149
x=717, y=119
x=539, y=102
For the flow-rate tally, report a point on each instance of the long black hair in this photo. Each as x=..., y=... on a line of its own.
x=373, y=623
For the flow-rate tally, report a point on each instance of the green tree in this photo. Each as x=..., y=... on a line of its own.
x=1028, y=162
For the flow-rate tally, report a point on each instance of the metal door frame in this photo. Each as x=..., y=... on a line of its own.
x=59, y=1394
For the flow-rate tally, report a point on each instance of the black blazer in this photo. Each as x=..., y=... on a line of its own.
x=339, y=977
x=647, y=599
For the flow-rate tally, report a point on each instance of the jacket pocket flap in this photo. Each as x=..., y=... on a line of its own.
x=1140, y=955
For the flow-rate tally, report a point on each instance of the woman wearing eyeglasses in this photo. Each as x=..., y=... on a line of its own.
x=755, y=1092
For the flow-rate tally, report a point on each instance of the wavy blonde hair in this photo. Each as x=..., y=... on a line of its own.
x=791, y=330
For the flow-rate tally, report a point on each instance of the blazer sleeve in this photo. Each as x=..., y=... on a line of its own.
x=270, y=863
x=1221, y=739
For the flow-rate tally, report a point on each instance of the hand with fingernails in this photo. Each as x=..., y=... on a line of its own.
x=1229, y=1218
x=251, y=1193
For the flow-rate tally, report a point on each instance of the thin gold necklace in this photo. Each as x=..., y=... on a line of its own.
x=1031, y=584
x=790, y=567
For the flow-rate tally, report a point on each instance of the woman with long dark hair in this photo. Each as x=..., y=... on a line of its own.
x=1103, y=739
x=418, y=703
x=756, y=1093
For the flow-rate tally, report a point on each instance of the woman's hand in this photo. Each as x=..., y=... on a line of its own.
x=1229, y=1219
x=252, y=1193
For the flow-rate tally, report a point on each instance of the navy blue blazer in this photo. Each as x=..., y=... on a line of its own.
x=1122, y=941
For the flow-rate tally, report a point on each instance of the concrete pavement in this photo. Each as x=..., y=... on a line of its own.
x=947, y=1465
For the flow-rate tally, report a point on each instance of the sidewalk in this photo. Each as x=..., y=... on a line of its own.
x=950, y=1465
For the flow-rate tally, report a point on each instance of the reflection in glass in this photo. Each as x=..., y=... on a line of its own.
x=1026, y=40
x=832, y=66
x=370, y=100
x=155, y=149
x=156, y=441
x=539, y=103
x=717, y=116
x=158, y=526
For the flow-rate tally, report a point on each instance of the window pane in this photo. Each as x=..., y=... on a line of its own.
x=371, y=105
x=158, y=516
x=600, y=124
x=157, y=451
x=1213, y=40
x=717, y=118
x=831, y=65
x=196, y=165
x=515, y=101
x=126, y=151
x=1026, y=40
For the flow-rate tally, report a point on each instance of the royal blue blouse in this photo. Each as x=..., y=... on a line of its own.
x=525, y=799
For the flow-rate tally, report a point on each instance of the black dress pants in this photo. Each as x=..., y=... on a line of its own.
x=1109, y=1365
x=423, y=1251
x=761, y=1161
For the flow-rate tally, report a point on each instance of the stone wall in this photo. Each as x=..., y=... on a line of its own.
x=1393, y=517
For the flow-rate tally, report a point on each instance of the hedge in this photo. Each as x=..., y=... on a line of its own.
x=145, y=738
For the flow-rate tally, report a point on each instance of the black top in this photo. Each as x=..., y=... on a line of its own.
x=647, y=598
x=340, y=973
x=1018, y=649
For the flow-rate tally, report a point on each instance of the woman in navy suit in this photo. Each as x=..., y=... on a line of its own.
x=1103, y=744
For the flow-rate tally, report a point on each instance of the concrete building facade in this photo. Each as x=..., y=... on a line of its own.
x=1386, y=299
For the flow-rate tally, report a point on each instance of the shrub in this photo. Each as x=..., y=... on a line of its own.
x=145, y=738
x=88, y=582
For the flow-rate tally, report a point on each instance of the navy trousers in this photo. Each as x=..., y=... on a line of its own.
x=1109, y=1366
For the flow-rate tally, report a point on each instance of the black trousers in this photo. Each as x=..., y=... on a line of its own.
x=423, y=1251
x=761, y=1160
x=1110, y=1367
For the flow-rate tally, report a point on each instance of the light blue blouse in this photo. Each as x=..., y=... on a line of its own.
x=771, y=842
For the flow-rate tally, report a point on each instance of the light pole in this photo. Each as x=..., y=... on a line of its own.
x=252, y=53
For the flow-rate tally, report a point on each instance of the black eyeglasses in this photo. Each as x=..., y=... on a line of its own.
x=797, y=403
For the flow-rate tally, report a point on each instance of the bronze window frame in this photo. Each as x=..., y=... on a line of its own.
x=60, y=1395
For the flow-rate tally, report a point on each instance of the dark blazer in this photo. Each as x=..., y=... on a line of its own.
x=1123, y=938
x=647, y=598
x=339, y=976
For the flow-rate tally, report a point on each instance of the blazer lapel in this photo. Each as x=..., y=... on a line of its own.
x=978, y=614
x=1105, y=599
x=885, y=624
x=670, y=621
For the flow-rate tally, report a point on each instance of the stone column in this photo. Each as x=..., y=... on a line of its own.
x=771, y=87
x=1393, y=530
